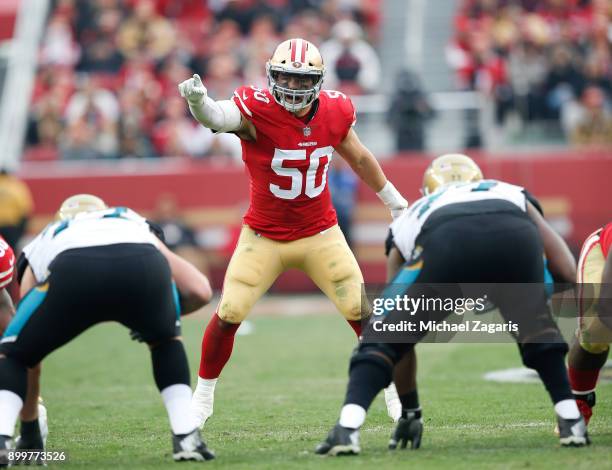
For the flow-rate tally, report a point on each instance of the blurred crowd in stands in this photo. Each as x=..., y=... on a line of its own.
x=543, y=60
x=108, y=69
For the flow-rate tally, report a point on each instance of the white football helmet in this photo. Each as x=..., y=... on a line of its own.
x=300, y=59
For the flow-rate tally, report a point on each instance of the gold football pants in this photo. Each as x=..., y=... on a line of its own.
x=258, y=261
x=594, y=335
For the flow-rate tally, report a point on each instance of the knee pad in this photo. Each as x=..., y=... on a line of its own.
x=354, y=308
x=379, y=354
x=170, y=364
x=595, y=335
x=239, y=295
x=594, y=348
x=531, y=352
x=231, y=311
x=349, y=297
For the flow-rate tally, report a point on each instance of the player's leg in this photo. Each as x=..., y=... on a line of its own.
x=33, y=427
x=523, y=300
x=330, y=263
x=410, y=424
x=590, y=348
x=153, y=311
x=372, y=364
x=404, y=376
x=370, y=371
x=254, y=267
x=13, y=385
x=585, y=361
x=44, y=321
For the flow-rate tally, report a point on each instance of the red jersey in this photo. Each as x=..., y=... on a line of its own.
x=287, y=163
x=7, y=263
x=605, y=239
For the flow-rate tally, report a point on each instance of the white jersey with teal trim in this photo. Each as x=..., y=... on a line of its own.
x=99, y=228
x=408, y=226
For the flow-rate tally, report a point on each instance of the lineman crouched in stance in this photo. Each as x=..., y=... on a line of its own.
x=99, y=264
x=33, y=427
x=466, y=230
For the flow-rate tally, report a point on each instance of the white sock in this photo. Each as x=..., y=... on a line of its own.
x=177, y=400
x=352, y=416
x=567, y=409
x=10, y=406
x=206, y=385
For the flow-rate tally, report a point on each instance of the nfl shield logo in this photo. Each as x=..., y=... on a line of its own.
x=307, y=132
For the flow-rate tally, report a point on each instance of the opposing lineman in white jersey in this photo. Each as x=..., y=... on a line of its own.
x=408, y=226
x=99, y=228
x=99, y=264
x=467, y=238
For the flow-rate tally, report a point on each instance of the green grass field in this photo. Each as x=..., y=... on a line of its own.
x=282, y=391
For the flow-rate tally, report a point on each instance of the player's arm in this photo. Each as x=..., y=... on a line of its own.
x=193, y=286
x=395, y=260
x=561, y=262
x=363, y=162
x=7, y=310
x=220, y=116
x=28, y=281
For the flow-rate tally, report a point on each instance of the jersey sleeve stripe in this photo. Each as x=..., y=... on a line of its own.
x=588, y=246
x=243, y=106
x=5, y=282
x=8, y=272
x=590, y=243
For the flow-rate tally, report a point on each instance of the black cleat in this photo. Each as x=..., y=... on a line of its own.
x=573, y=432
x=340, y=441
x=6, y=444
x=409, y=429
x=190, y=447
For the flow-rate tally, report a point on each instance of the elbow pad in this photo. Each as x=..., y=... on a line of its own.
x=221, y=116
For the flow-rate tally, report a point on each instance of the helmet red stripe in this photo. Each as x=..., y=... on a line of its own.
x=293, y=46
x=304, y=47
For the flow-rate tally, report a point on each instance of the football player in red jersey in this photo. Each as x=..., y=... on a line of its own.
x=33, y=414
x=289, y=133
x=590, y=349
